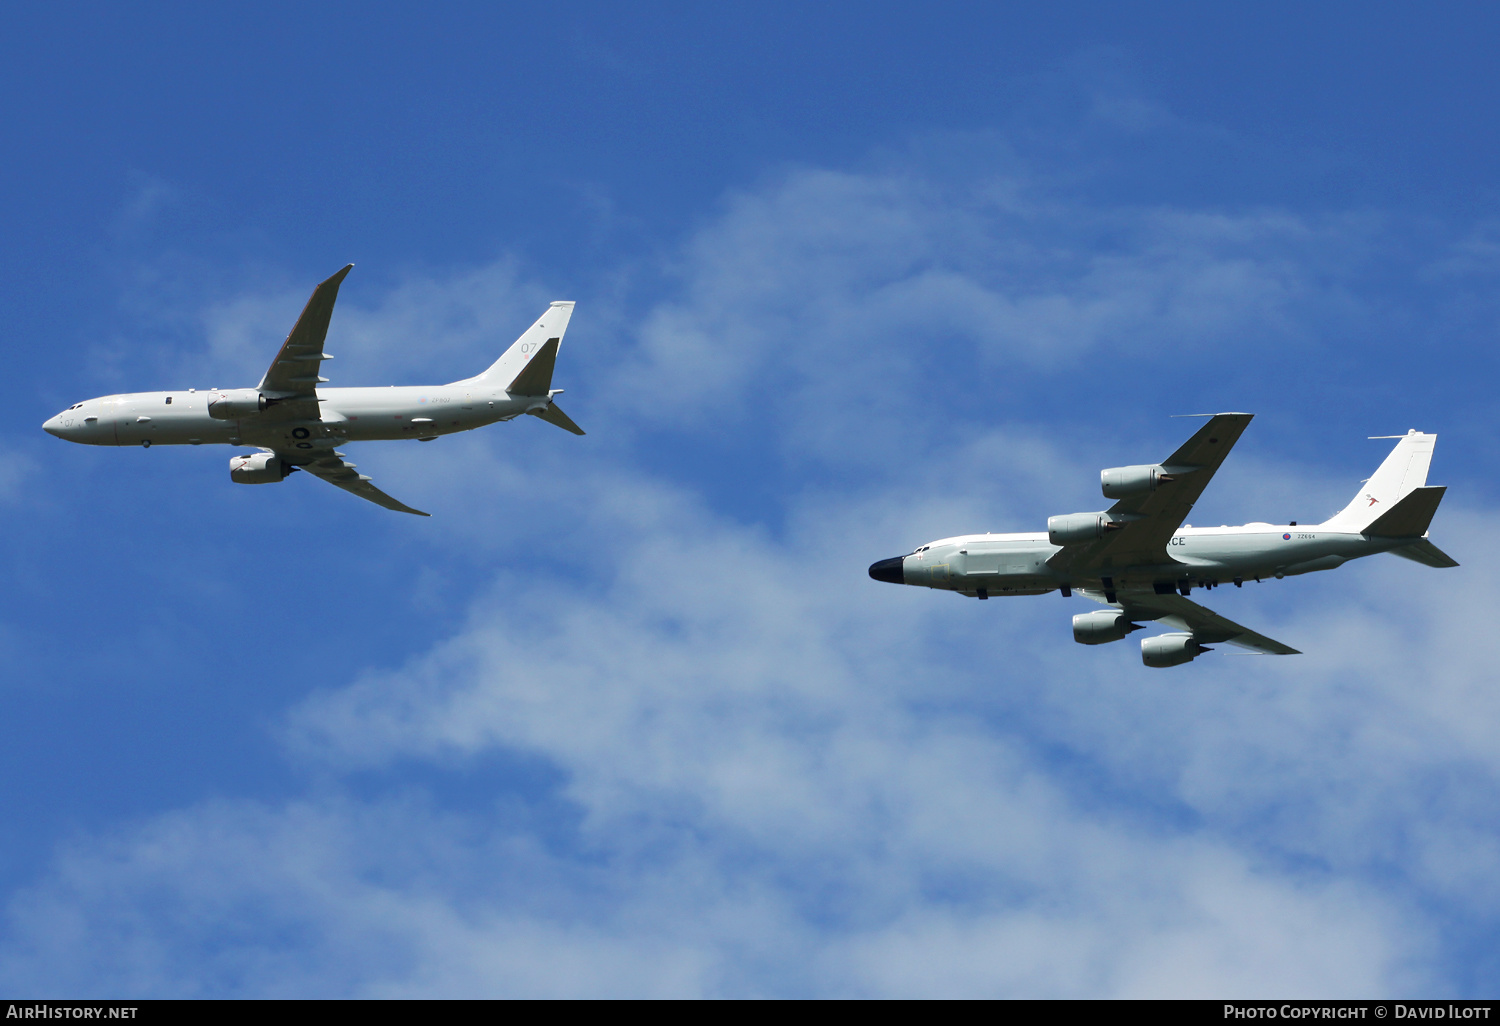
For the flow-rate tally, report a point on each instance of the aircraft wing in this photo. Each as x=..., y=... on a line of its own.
x=552, y=415
x=1206, y=626
x=1153, y=517
x=335, y=471
x=294, y=372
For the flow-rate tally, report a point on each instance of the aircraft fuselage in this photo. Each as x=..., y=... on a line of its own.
x=346, y=414
x=991, y=565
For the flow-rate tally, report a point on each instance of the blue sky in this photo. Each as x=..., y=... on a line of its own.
x=625, y=716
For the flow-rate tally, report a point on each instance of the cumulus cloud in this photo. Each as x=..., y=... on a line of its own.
x=16, y=468
x=833, y=286
x=777, y=785
x=419, y=326
x=754, y=772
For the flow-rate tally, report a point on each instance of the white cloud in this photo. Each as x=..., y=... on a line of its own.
x=425, y=323
x=835, y=293
x=16, y=469
x=775, y=776
x=787, y=779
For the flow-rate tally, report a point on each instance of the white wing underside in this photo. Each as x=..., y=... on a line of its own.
x=294, y=376
x=1147, y=522
x=335, y=471
x=294, y=373
x=1184, y=614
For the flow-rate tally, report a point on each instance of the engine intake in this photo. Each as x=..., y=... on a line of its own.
x=1170, y=650
x=258, y=468
x=1102, y=626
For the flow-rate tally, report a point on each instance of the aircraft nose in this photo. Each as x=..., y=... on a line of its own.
x=889, y=570
x=53, y=426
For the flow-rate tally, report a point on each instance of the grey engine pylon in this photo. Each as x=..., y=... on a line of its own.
x=297, y=425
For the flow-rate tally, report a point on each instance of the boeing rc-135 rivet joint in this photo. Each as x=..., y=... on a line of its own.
x=298, y=426
x=1141, y=561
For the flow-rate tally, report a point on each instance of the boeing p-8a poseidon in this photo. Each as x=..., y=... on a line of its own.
x=1140, y=560
x=298, y=426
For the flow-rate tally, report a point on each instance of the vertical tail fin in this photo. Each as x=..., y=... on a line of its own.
x=536, y=377
x=538, y=341
x=1403, y=472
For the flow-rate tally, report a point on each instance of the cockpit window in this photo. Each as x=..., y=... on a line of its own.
x=169, y=400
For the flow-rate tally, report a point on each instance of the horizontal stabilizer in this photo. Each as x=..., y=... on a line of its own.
x=536, y=377
x=1426, y=553
x=552, y=415
x=1410, y=517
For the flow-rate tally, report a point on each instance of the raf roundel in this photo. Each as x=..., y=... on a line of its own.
x=1286, y=537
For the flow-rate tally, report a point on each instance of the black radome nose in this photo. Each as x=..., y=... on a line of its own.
x=889, y=570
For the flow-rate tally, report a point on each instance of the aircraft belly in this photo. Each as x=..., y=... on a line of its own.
x=389, y=431
x=371, y=431
x=995, y=583
x=193, y=430
x=292, y=435
x=366, y=427
x=1002, y=584
x=1000, y=569
x=1290, y=551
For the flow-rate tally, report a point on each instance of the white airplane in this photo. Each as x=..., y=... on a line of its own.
x=1140, y=560
x=298, y=426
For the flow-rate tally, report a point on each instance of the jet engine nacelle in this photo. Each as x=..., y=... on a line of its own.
x=1076, y=527
x=1123, y=482
x=258, y=468
x=1102, y=626
x=236, y=404
x=1170, y=650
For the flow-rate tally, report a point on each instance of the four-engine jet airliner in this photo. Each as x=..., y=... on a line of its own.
x=298, y=426
x=1141, y=561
